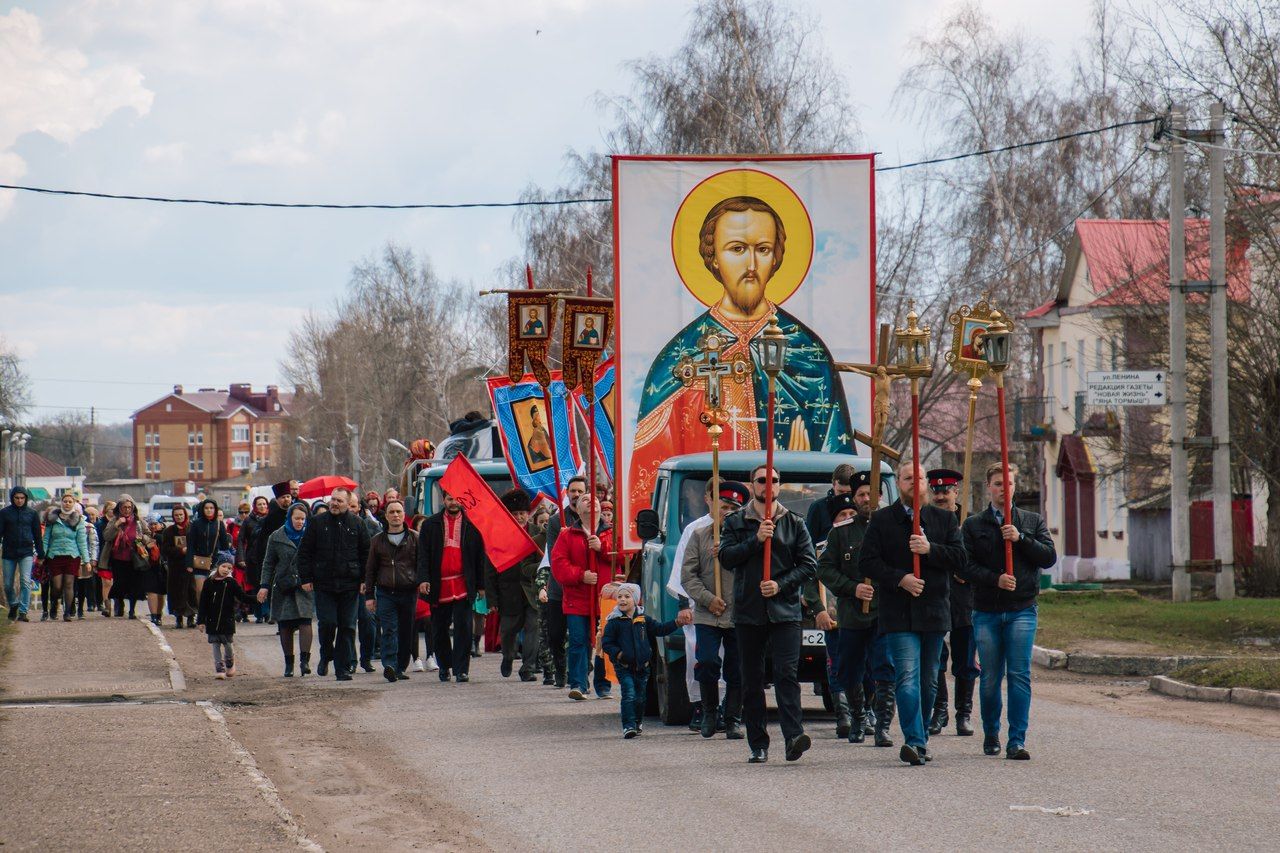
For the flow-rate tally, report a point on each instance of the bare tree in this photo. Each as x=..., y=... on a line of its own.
x=399, y=357
x=15, y=388
x=751, y=77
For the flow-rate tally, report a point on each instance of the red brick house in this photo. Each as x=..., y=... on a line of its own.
x=209, y=434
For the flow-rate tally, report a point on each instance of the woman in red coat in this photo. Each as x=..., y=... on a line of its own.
x=578, y=573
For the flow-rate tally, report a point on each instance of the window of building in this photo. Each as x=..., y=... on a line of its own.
x=1063, y=389
x=191, y=438
x=240, y=460
x=240, y=432
x=1080, y=365
x=200, y=437
x=262, y=437
x=1097, y=355
x=191, y=466
x=1104, y=504
x=199, y=466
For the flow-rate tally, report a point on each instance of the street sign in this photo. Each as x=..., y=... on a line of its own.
x=1127, y=388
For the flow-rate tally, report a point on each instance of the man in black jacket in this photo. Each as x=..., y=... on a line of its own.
x=451, y=562
x=331, y=561
x=944, y=487
x=1004, y=608
x=767, y=613
x=822, y=512
x=21, y=543
x=914, y=611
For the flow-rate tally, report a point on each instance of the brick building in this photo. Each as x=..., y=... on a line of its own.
x=209, y=434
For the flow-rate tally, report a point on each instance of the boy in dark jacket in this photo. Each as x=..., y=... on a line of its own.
x=217, y=614
x=627, y=632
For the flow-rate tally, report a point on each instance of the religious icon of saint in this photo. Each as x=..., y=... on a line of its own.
x=974, y=346
x=588, y=335
x=538, y=444
x=533, y=327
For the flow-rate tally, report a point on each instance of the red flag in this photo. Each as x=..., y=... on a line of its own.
x=505, y=541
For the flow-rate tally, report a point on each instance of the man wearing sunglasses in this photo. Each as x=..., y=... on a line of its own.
x=767, y=613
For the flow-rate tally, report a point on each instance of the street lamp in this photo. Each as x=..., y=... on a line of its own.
x=398, y=446
x=771, y=351
x=22, y=465
x=998, y=342
x=4, y=463
x=911, y=355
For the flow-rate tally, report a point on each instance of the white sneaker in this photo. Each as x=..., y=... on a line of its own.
x=417, y=665
x=221, y=676
x=432, y=666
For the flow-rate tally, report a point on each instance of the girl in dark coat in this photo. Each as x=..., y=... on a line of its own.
x=217, y=613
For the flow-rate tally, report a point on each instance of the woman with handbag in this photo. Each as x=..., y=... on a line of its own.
x=125, y=558
x=180, y=583
x=291, y=605
x=208, y=536
x=157, y=583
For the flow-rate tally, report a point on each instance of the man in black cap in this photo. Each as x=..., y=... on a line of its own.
x=861, y=646
x=514, y=594
x=713, y=616
x=945, y=485
x=767, y=613
x=823, y=511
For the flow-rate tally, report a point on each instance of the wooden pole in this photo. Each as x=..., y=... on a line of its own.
x=975, y=384
x=915, y=475
x=714, y=431
x=1004, y=466
x=768, y=479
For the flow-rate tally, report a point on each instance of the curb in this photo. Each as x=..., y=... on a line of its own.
x=1122, y=666
x=1198, y=693
x=177, y=681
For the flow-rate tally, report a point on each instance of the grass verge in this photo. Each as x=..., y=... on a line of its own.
x=1197, y=627
x=1241, y=672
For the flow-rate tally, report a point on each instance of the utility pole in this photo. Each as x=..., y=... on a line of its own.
x=1223, y=538
x=1218, y=443
x=93, y=434
x=1179, y=472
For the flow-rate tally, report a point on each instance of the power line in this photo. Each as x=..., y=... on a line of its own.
x=530, y=202
x=1257, y=152
x=1018, y=145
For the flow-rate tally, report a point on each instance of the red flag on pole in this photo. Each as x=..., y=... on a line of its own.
x=505, y=541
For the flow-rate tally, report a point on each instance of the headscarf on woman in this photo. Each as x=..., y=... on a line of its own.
x=295, y=536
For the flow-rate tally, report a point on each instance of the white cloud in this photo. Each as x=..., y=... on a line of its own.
x=294, y=147
x=169, y=154
x=53, y=90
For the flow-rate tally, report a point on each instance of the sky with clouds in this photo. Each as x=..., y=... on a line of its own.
x=111, y=302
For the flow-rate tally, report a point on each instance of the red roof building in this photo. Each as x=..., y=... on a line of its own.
x=209, y=434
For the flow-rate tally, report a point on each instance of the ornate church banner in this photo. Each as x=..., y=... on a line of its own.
x=716, y=245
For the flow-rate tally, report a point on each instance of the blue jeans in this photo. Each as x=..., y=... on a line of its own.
x=579, y=651
x=23, y=600
x=916, y=684
x=634, y=687
x=395, y=619
x=1004, y=648
x=858, y=646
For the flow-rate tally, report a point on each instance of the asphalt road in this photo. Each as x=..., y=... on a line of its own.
x=508, y=763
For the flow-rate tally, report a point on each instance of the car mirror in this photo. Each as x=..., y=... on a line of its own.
x=647, y=524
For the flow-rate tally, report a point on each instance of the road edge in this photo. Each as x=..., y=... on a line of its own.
x=266, y=788
x=177, y=681
x=1166, y=686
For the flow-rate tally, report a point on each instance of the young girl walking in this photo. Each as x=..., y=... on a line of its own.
x=217, y=614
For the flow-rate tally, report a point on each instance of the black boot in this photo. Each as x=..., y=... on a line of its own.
x=885, y=699
x=940, y=715
x=695, y=721
x=844, y=720
x=53, y=608
x=710, y=709
x=288, y=666
x=733, y=714
x=305, y=663
x=857, y=714
x=964, y=706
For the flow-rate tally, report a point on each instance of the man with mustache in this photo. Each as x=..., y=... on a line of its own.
x=743, y=245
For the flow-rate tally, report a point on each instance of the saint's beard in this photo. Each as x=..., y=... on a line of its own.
x=746, y=294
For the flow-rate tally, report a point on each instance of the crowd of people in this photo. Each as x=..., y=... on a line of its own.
x=375, y=589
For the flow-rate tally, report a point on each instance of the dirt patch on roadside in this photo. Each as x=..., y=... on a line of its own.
x=1132, y=698
x=347, y=790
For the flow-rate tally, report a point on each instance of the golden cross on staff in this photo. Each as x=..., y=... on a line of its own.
x=882, y=373
x=709, y=367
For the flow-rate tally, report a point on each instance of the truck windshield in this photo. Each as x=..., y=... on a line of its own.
x=796, y=493
x=498, y=484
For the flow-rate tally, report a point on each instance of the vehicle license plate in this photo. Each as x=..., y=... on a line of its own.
x=815, y=638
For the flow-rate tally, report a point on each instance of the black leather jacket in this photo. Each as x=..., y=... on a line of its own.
x=793, y=564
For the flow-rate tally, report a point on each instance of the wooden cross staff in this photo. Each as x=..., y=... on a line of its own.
x=883, y=374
